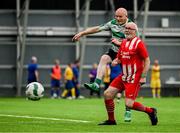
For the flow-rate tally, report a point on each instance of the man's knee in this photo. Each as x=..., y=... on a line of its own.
x=108, y=95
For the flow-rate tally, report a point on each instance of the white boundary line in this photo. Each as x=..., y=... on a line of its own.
x=45, y=118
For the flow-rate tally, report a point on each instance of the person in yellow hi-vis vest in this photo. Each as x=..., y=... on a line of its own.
x=155, y=80
x=68, y=77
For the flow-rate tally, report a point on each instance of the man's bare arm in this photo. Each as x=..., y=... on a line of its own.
x=88, y=31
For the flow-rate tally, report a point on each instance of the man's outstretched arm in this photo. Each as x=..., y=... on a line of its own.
x=88, y=31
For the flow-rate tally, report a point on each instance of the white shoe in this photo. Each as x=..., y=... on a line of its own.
x=69, y=98
x=81, y=97
x=54, y=95
x=73, y=97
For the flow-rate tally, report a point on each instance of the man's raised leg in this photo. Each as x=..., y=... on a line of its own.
x=105, y=59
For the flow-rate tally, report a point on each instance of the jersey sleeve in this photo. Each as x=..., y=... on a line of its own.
x=142, y=50
x=105, y=27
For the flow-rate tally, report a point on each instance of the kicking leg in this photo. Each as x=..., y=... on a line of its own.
x=105, y=59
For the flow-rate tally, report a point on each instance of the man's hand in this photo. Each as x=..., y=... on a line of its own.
x=115, y=41
x=115, y=62
x=77, y=37
x=142, y=80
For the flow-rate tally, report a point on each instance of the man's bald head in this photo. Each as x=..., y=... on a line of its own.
x=121, y=15
x=122, y=11
x=33, y=59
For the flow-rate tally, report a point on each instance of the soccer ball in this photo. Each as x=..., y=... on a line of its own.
x=34, y=91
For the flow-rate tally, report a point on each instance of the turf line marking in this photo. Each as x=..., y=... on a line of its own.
x=44, y=118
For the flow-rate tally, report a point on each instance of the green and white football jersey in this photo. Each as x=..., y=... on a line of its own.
x=117, y=31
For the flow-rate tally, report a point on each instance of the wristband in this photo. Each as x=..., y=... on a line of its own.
x=143, y=75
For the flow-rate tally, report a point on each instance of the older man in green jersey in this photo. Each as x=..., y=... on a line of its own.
x=116, y=27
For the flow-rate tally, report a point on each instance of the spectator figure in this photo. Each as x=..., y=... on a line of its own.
x=155, y=80
x=33, y=74
x=55, y=79
x=68, y=79
x=76, y=79
x=92, y=77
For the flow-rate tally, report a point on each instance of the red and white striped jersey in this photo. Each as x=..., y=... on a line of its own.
x=132, y=54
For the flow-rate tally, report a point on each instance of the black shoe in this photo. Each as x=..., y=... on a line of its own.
x=108, y=122
x=153, y=117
